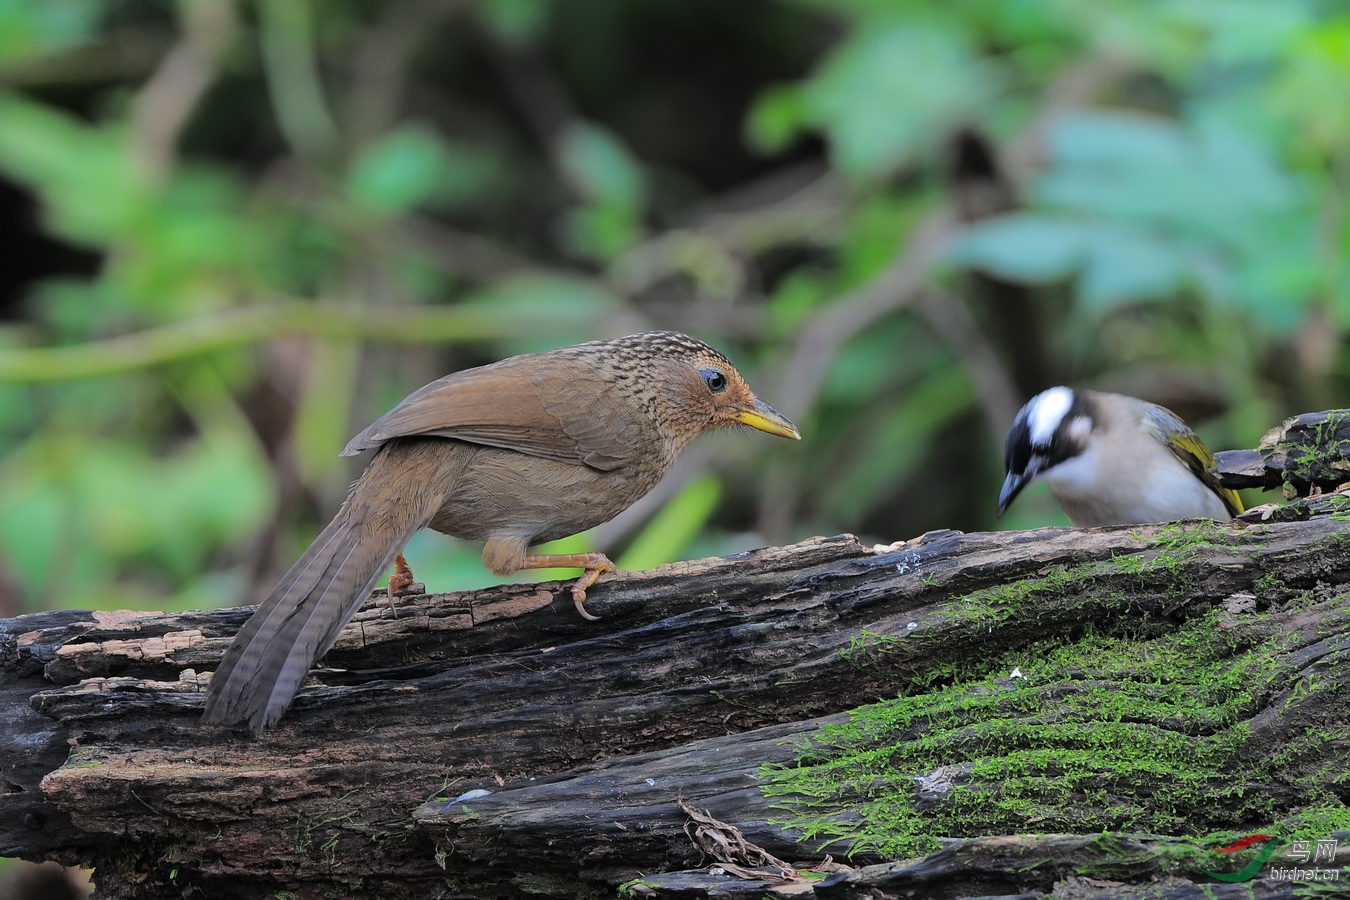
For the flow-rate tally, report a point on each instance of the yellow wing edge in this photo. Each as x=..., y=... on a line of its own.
x=1192, y=451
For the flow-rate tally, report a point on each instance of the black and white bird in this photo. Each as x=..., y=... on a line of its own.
x=1113, y=460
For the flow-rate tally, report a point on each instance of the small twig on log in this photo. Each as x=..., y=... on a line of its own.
x=727, y=844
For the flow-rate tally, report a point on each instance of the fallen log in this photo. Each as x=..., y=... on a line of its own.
x=920, y=701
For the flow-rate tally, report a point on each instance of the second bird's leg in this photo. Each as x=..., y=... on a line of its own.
x=595, y=564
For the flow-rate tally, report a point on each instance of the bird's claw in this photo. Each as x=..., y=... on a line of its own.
x=588, y=578
x=579, y=598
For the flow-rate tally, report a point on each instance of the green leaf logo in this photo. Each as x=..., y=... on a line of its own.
x=1248, y=872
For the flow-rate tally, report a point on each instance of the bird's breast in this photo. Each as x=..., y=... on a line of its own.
x=507, y=492
x=1093, y=497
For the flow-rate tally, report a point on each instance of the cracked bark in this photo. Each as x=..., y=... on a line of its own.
x=585, y=734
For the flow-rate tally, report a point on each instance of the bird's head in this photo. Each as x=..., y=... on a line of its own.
x=707, y=390
x=1054, y=427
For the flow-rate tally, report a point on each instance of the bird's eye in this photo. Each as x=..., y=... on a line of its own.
x=715, y=380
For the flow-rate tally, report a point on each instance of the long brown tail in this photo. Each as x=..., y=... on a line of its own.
x=259, y=674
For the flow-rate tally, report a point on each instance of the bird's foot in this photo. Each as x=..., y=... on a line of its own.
x=588, y=578
x=399, y=580
x=595, y=564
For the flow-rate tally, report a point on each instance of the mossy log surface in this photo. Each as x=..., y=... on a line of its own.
x=1084, y=712
x=1303, y=454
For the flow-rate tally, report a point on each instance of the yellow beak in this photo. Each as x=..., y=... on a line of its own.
x=764, y=417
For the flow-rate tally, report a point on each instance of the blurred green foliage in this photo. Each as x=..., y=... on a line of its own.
x=237, y=232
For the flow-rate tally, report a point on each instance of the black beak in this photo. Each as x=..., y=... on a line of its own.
x=1012, y=486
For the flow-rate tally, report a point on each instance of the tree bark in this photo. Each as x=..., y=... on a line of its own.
x=697, y=681
x=1304, y=454
x=1089, y=712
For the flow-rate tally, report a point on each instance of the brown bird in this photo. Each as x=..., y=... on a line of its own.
x=512, y=454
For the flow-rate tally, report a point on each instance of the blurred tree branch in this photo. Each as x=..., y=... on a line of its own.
x=458, y=252
x=462, y=324
x=286, y=33
x=380, y=65
x=946, y=312
x=127, y=52
x=895, y=287
x=168, y=98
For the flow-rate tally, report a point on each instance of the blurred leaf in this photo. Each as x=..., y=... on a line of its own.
x=871, y=368
x=1243, y=31
x=72, y=307
x=191, y=240
x=89, y=188
x=672, y=529
x=878, y=227
x=30, y=28
x=1024, y=247
x=1141, y=208
x=17, y=412
x=471, y=174
x=518, y=21
x=33, y=514
x=1209, y=181
x=1116, y=138
x=795, y=301
x=113, y=486
x=80, y=516
x=599, y=232
x=575, y=305
x=778, y=116
x=398, y=171
x=172, y=513
x=891, y=87
x=601, y=168
x=221, y=487
x=900, y=435
x=1312, y=80
x=1123, y=267
x=321, y=426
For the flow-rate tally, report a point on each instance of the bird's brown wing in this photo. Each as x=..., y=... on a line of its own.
x=562, y=411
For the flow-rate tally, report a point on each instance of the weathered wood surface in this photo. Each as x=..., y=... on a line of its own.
x=1305, y=453
x=1002, y=868
x=698, y=674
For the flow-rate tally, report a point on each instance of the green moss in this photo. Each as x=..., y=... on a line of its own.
x=864, y=649
x=629, y=888
x=1317, y=822
x=1146, y=735
x=1269, y=583
x=994, y=606
x=1052, y=596
x=1173, y=546
x=1321, y=460
x=1179, y=542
